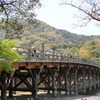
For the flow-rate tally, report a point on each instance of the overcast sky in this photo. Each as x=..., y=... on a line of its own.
x=62, y=17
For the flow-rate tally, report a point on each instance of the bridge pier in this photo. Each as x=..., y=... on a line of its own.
x=10, y=88
x=70, y=81
x=89, y=78
x=66, y=73
x=12, y=81
x=35, y=76
x=59, y=82
x=75, y=80
x=98, y=77
x=83, y=79
x=54, y=87
x=94, y=78
x=48, y=91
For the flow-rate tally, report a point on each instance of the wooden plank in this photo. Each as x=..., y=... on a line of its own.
x=47, y=63
x=34, y=64
x=17, y=64
x=26, y=64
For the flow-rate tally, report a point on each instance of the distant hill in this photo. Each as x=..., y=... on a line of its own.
x=53, y=38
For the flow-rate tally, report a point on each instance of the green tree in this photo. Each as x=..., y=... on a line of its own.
x=74, y=50
x=92, y=45
x=8, y=55
x=95, y=53
x=84, y=53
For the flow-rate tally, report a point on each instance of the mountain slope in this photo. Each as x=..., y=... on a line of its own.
x=52, y=37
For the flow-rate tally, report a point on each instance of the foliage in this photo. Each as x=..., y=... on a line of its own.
x=98, y=63
x=84, y=53
x=14, y=29
x=95, y=53
x=74, y=50
x=13, y=11
x=8, y=55
x=90, y=49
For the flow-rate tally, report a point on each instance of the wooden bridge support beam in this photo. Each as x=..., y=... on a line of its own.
x=89, y=78
x=54, y=72
x=15, y=81
x=54, y=87
x=35, y=76
x=59, y=82
x=60, y=78
x=83, y=75
x=49, y=83
x=45, y=81
x=98, y=78
x=10, y=88
x=75, y=81
x=66, y=72
x=12, y=81
x=54, y=84
x=94, y=78
x=70, y=81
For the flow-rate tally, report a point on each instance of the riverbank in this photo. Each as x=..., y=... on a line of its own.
x=44, y=96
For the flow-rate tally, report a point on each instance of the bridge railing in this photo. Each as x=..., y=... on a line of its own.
x=34, y=54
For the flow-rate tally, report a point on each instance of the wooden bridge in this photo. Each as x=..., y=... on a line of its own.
x=50, y=71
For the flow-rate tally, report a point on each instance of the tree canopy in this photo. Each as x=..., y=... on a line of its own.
x=12, y=11
x=8, y=55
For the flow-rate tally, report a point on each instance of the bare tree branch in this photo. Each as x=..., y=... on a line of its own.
x=92, y=11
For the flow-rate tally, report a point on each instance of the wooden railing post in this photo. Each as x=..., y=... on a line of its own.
x=29, y=51
x=43, y=50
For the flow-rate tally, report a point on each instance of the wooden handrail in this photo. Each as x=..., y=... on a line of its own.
x=37, y=55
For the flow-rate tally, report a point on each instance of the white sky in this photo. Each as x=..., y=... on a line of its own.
x=62, y=17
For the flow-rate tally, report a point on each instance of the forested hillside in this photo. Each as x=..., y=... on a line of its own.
x=60, y=40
